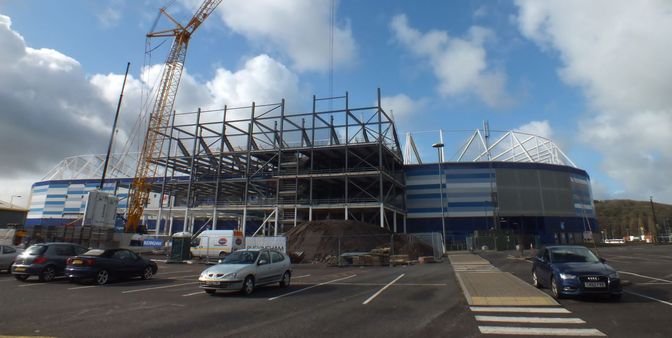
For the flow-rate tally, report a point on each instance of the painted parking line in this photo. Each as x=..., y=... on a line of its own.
x=381, y=284
x=540, y=331
x=648, y=297
x=194, y=293
x=544, y=320
x=159, y=287
x=383, y=289
x=310, y=287
x=519, y=309
x=129, y=282
x=304, y=276
x=644, y=276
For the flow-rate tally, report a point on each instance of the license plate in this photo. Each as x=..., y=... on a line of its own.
x=19, y=269
x=77, y=262
x=594, y=284
x=211, y=283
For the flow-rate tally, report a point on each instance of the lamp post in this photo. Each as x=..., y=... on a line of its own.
x=11, y=200
x=438, y=147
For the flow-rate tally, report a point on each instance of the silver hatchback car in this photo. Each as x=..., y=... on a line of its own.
x=246, y=269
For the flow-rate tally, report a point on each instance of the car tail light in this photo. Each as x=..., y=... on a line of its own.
x=39, y=260
x=68, y=261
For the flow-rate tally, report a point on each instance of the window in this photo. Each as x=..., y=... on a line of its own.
x=264, y=256
x=122, y=254
x=60, y=250
x=80, y=250
x=9, y=250
x=277, y=257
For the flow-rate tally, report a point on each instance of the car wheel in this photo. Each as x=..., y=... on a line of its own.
x=535, y=280
x=147, y=273
x=210, y=291
x=48, y=274
x=555, y=289
x=21, y=277
x=286, y=278
x=248, y=285
x=102, y=277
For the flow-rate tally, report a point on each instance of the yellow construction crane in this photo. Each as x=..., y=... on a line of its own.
x=163, y=108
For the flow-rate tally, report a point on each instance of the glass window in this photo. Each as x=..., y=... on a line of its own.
x=94, y=252
x=80, y=250
x=9, y=249
x=35, y=250
x=264, y=256
x=60, y=250
x=277, y=257
x=573, y=254
x=241, y=257
x=121, y=254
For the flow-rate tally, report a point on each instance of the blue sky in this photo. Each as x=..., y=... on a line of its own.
x=562, y=69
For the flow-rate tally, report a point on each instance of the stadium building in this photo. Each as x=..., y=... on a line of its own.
x=261, y=169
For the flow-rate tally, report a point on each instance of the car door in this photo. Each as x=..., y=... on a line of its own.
x=544, y=268
x=136, y=264
x=57, y=254
x=122, y=263
x=278, y=265
x=264, y=267
x=4, y=258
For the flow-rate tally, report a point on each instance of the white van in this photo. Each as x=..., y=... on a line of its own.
x=216, y=243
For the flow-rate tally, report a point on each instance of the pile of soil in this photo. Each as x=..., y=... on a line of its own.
x=316, y=240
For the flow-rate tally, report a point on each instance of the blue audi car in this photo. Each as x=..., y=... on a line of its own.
x=574, y=271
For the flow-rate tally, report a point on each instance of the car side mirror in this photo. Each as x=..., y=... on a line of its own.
x=262, y=262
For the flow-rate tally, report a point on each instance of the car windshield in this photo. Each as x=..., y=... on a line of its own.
x=241, y=257
x=573, y=255
x=35, y=250
x=94, y=252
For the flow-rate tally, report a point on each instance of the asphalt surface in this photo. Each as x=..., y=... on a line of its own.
x=424, y=300
x=645, y=309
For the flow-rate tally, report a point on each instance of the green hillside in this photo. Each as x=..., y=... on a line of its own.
x=619, y=218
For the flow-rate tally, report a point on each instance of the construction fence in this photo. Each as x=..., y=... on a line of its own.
x=367, y=249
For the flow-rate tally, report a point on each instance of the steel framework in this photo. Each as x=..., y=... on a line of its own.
x=510, y=146
x=261, y=165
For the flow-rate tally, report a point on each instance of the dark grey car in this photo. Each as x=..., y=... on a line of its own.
x=46, y=260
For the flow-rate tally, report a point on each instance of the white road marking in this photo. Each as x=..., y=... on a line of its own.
x=159, y=287
x=643, y=276
x=32, y=284
x=172, y=272
x=310, y=287
x=128, y=282
x=545, y=320
x=381, y=284
x=304, y=276
x=383, y=289
x=648, y=297
x=539, y=331
x=194, y=293
x=519, y=309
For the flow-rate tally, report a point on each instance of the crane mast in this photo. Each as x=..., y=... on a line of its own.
x=162, y=110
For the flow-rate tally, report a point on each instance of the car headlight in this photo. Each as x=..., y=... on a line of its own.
x=614, y=275
x=567, y=276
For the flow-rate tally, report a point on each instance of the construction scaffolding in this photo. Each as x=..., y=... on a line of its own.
x=268, y=170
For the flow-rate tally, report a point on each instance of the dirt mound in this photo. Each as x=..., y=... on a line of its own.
x=317, y=240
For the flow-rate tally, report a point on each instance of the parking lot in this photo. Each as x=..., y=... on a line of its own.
x=646, y=307
x=419, y=300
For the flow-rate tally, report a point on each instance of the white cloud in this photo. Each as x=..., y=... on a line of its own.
x=109, y=17
x=300, y=29
x=50, y=109
x=403, y=108
x=617, y=52
x=460, y=64
x=539, y=128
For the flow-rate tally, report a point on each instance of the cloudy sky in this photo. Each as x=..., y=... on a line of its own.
x=593, y=76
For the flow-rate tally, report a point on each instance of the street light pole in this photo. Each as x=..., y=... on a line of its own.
x=11, y=200
x=438, y=147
